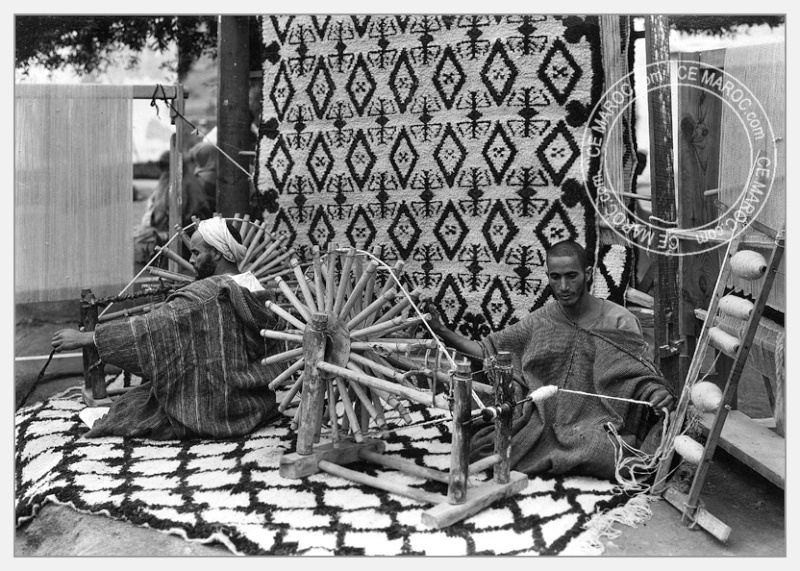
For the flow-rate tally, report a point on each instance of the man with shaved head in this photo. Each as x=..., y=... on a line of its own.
x=583, y=343
x=201, y=351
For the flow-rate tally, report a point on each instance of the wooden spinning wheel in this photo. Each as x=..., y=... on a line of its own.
x=360, y=320
x=348, y=355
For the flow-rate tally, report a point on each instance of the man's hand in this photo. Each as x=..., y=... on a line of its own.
x=434, y=322
x=661, y=399
x=69, y=339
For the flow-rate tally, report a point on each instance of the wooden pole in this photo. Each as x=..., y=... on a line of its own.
x=698, y=159
x=93, y=375
x=459, y=454
x=503, y=393
x=659, y=103
x=381, y=484
x=314, y=345
x=233, y=114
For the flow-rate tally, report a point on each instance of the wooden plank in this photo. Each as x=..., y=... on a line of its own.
x=753, y=444
x=702, y=516
x=478, y=498
x=296, y=466
x=666, y=332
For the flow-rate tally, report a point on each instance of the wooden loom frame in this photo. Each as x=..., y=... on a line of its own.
x=747, y=440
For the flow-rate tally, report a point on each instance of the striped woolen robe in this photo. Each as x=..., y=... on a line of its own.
x=568, y=433
x=201, y=352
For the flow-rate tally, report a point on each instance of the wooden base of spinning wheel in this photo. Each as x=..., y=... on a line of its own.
x=331, y=458
x=478, y=498
x=296, y=466
x=321, y=344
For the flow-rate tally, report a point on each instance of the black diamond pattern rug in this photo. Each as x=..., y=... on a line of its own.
x=452, y=141
x=230, y=491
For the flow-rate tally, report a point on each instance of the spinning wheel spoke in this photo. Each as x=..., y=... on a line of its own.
x=363, y=315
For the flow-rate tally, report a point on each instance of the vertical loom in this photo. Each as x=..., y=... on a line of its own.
x=73, y=184
x=74, y=169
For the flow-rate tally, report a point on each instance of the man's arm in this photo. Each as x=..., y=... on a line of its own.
x=69, y=339
x=452, y=339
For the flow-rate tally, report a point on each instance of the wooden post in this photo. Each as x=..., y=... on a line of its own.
x=233, y=114
x=699, y=134
x=94, y=381
x=659, y=102
x=503, y=393
x=314, y=351
x=459, y=456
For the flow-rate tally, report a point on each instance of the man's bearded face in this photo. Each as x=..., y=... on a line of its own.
x=204, y=258
x=568, y=279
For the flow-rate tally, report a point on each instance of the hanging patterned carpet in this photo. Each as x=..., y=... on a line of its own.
x=230, y=492
x=451, y=141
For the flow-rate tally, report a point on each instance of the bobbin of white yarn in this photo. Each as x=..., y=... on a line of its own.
x=736, y=307
x=748, y=265
x=689, y=449
x=706, y=396
x=543, y=393
x=725, y=342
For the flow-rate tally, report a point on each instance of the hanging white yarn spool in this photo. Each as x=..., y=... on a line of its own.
x=748, y=265
x=725, y=342
x=543, y=393
x=689, y=449
x=706, y=396
x=736, y=307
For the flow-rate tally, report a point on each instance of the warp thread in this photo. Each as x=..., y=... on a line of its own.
x=748, y=265
x=637, y=510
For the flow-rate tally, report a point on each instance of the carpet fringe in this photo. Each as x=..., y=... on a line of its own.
x=600, y=528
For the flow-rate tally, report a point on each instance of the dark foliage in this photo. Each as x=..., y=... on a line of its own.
x=722, y=24
x=88, y=43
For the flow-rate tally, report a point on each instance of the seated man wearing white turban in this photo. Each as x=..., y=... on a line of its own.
x=201, y=352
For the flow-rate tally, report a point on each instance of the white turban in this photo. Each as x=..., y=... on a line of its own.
x=216, y=234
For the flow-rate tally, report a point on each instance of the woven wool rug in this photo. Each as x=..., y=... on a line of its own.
x=230, y=492
x=451, y=141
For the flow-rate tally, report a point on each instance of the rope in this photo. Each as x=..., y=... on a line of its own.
x=604, y=396
x=147, y=265
x=196, y=131
x=442, y=348
x=36, y=382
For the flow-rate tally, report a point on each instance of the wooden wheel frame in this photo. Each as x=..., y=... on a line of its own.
x=345, y=348
x=362, y=320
